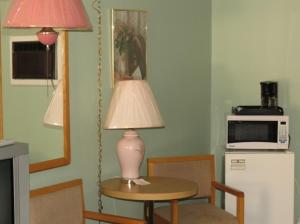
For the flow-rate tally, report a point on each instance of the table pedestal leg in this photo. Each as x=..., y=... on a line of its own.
x=174, y=212
x=148, y=212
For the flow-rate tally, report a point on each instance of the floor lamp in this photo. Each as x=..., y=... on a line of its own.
x=48, y=15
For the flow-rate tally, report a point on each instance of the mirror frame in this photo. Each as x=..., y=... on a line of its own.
x=1, y=99
x=66, y=158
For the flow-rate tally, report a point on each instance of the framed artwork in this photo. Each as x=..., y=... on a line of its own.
x=128, y=45
x=32, y=64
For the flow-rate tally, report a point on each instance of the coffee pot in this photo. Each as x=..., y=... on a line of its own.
x=269, y=94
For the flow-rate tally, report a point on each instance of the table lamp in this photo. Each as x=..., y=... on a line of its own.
x=132, y=106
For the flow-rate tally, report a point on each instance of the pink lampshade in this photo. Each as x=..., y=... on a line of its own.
x=64, y=14
x=47, y=14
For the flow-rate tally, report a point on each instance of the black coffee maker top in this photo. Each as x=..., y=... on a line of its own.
x=268, y=88
x=269, y=94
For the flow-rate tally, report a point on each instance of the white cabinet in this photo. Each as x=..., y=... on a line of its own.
x=267, y=179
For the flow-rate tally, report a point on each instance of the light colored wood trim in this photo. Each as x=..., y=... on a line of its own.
x=212, y=198
x=86, y=214
x=225, y=188
x=239, y=199
x=111, y=218
x=48, y=164
x=151, y=162
x=179, y=158
x=150, y=168
x=56, y=187
x=159, y=220
x=240, y=210
x=175, y=212
x=1, y=92
x=82, y=201
x=212, y=168
x=159, y=189
x=66, y=159
x=66, y=104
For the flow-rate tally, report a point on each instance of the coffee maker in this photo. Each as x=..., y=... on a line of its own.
x=269, y=94
x=269, y=102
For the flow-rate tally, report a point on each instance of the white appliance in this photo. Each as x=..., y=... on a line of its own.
x=267, y=180
x=259, y=132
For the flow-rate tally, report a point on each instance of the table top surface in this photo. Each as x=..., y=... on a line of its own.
x=159, y=189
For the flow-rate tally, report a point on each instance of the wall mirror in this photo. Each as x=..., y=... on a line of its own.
x=22, y=108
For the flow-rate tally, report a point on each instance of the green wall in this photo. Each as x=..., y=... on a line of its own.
x=255, y=41
x=179, y=36
x=194, y=76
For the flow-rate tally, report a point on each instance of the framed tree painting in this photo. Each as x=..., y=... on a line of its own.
x=128, y=45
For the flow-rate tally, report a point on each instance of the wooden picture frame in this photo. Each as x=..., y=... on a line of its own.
x=128, y=44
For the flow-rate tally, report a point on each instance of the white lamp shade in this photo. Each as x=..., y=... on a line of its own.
x=54, y=113
x=133, y=105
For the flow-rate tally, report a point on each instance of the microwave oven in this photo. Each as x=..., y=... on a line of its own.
x=257, y=132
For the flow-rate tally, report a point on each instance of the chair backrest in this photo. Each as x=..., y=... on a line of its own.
x=198, y=168
x=57, y=204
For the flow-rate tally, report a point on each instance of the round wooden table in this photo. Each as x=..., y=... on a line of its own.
x=159, y=189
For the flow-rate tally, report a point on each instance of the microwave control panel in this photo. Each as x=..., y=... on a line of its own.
x=282, y=132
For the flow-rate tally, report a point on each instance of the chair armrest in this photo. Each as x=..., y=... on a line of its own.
x=239, y=195
x=111, y=218
x=227, y=189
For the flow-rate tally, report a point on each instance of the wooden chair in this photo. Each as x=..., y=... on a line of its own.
x=63, y=204
x=200, y=169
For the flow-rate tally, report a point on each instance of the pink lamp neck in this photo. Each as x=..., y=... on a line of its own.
x=47, y=36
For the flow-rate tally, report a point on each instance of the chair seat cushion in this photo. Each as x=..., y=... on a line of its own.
x=198, y=213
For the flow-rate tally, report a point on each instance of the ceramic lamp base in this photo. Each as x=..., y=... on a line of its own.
x=130, y=150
